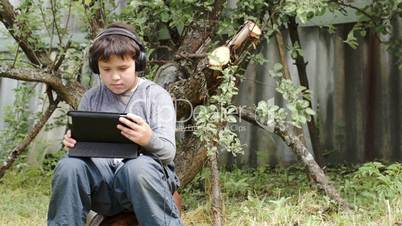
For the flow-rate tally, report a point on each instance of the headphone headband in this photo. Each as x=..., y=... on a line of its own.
x=120, y=31
x=141, y=60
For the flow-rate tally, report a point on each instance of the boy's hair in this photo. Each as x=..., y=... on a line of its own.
x=123, y=45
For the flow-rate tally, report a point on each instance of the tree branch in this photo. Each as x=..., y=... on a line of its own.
x=71, y=92
x=61, y=56
x=96, y=19
x=198, y=34
x=55, y=24
x=342, y=3
x=297, y=146
x=301, y=69
x=280, y=43
x=8, y=17
x=28, y=74
x=216, y=201
x=180, y=56
x=28, y=138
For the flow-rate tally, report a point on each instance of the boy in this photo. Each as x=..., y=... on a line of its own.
x=109, y=186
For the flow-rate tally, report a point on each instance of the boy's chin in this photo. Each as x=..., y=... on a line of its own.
x=117, y=91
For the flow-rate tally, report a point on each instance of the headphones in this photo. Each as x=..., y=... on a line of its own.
x=141, y=60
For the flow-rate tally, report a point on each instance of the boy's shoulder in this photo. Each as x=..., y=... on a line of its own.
x=155, y=89
x=93, y=91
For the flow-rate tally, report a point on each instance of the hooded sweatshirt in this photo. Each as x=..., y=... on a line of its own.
x=149, y=101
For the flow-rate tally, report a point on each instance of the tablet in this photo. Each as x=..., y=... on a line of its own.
x=97, y=135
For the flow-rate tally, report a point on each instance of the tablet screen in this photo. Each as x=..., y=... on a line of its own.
x=87, y=126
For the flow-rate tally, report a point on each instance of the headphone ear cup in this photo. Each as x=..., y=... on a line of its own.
x=141, y=62
x=93, y=66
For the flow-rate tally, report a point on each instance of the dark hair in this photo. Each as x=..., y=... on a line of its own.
x=106, y=46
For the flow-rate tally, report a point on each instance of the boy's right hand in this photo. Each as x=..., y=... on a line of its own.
x=68, y=141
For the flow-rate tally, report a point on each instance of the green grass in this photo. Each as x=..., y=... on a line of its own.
x=265, y=196
x=24, y=198
x=286, y=197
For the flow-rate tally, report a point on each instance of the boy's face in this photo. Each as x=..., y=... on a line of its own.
x=118, y=74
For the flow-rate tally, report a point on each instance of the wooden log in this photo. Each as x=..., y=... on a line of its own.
x=126, y=218
x=249, y=29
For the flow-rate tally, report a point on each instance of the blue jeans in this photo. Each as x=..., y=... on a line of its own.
x=141, y=185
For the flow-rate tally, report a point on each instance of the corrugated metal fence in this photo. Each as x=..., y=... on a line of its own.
x=356, y=92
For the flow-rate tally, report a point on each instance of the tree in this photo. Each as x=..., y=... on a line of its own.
x=187, y=31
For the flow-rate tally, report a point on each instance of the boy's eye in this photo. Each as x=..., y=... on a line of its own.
x=106, y=69
x=123, y=68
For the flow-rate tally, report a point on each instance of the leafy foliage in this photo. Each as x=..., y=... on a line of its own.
x=16, y=118
x=297, y=104
x=212, y=120
x=305, y=9
x=149, y=16
x=375, y=182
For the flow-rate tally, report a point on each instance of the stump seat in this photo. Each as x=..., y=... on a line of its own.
x=123, y=219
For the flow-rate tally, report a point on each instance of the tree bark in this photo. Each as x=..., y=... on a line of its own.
x=196, y=90
x=280, y=43
x=70, y=93
x=216, y=191
x=199, y=33
x=191, y=158
x=297, y=146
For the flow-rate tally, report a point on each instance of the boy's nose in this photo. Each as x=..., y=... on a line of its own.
x=115, y=76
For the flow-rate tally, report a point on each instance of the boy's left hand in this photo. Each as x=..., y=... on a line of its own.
x=135, y=128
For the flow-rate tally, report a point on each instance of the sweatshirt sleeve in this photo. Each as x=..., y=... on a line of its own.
x=84, y=103
x=162, y=121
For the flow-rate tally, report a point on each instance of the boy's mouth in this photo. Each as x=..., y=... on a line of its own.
x=117, y=85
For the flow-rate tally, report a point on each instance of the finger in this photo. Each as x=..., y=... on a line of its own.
x=133, y=136
x=125, y=129
x=127, y=122
x=137, y=119
x=68, y=144
x=69, y=139
x=67, y=135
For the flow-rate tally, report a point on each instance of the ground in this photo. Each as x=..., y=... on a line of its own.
x=263, y=196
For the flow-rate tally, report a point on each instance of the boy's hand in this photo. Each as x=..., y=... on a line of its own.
x=135, y=129
x=68, y=141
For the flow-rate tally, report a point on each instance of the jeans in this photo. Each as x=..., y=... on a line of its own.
x=142, y=185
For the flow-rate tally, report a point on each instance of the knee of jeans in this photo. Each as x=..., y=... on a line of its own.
x=70, y=166
x=140, y=169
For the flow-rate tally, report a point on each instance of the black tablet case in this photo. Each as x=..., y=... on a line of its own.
x=97, y=136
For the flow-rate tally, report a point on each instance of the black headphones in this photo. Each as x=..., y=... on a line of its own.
x=141, y=60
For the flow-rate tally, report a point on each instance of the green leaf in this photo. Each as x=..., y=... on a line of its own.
x=310, y=111
x=165, y=16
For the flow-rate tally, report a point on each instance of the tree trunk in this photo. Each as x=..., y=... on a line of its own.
x=216, y=191
x=122, y=219
x=301, y=69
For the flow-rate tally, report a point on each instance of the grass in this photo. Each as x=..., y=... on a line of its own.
x=265, y=196
x=24, y=197
x=286, y=197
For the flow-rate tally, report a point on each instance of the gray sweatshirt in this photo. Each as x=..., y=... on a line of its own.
x=149, y=101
